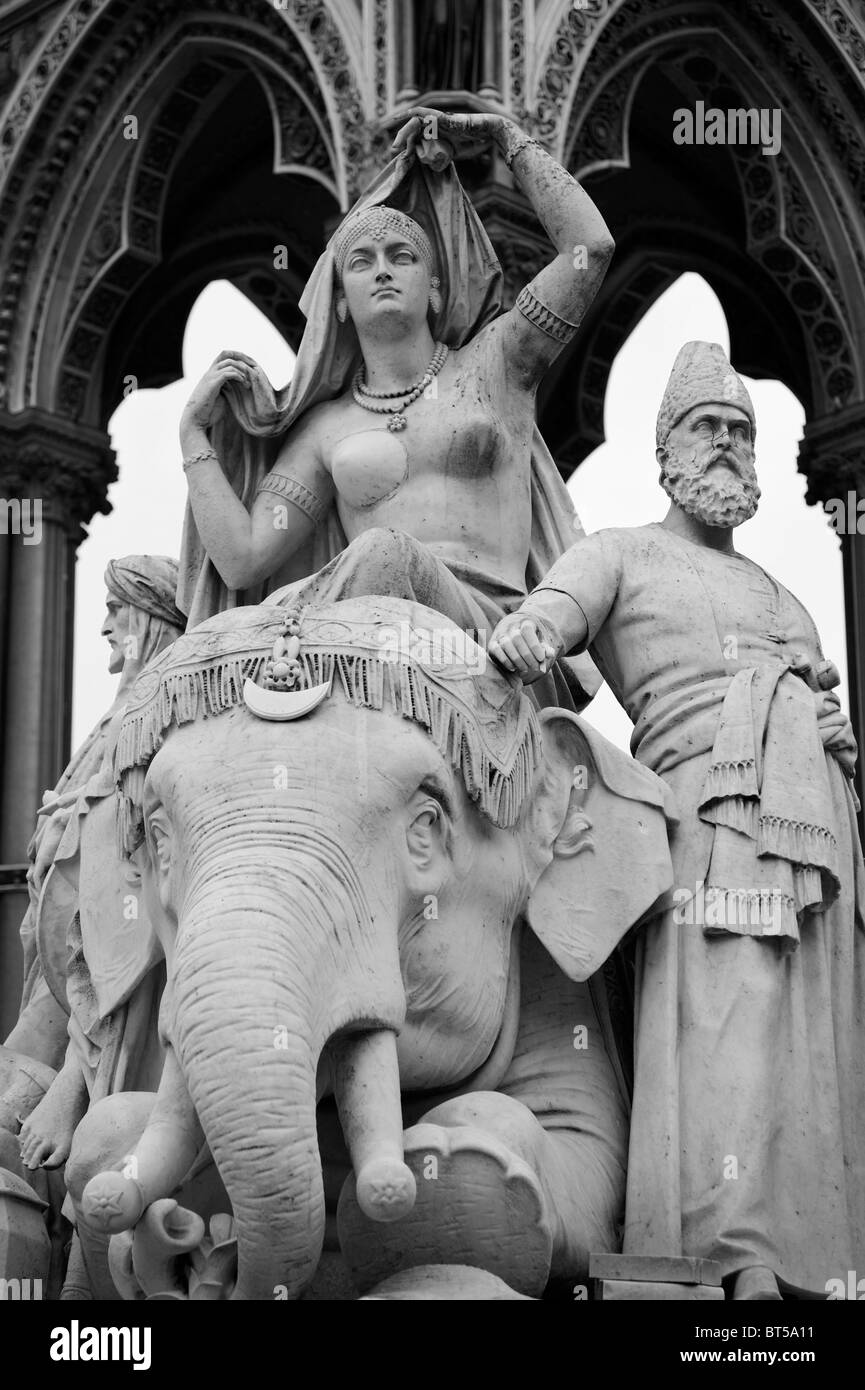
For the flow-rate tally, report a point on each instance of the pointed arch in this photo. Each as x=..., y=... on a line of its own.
x=798, y=235
x=95, y=131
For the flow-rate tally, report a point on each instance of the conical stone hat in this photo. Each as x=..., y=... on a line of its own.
x=701, y=373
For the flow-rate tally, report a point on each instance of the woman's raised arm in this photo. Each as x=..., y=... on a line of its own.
x=549, y=310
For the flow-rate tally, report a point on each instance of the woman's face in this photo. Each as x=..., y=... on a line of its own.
x=386, y=284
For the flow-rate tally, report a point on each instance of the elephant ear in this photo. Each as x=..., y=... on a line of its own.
x=598, y=842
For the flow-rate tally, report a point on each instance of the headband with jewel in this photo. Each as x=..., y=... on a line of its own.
x=376, y=223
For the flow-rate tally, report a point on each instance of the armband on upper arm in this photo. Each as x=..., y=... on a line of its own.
x=293, y=491
x=544, y=318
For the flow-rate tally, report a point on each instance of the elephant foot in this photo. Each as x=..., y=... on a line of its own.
x=462, y=1283
x=477, y=1204
x=46, y=1134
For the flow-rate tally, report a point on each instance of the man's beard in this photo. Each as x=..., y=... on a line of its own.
x=716, y=500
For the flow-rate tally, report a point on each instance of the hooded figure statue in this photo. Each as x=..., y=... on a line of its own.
x=144, y=585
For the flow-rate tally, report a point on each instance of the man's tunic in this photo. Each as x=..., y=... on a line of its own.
x=748, y=1128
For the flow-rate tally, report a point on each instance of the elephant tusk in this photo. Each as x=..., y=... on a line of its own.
x=283, y=704
x=366, y=1083
x=112, y=1202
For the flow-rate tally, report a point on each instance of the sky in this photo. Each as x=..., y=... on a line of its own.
x=616, y=486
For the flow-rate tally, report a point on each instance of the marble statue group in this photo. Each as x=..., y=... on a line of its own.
x=357, y=963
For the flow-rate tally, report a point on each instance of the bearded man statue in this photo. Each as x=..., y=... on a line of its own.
x=141, y=620
x=748, y=1124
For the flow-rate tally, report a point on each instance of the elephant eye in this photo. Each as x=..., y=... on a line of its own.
x=438, y=795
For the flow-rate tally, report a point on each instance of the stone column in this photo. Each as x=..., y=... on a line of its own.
x=408, y=88
x=492, y=52
x=53, y=476
x=832, y=456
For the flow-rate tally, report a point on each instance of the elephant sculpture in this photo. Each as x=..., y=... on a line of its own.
x=384, y=885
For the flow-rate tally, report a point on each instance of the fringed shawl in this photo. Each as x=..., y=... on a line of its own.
x=767, y=793
x=379, y=654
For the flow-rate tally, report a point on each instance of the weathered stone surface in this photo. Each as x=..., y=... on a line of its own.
x=672, y=1269
x=460, y=1282
x=631, y=1290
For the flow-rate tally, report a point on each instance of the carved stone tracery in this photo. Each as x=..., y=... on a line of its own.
x=790, y=210
x=68, y=469
x=94, y=62
x=786, y=237
x=832, y=455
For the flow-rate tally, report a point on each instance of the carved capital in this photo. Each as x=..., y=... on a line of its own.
x=832, y=455
x=67, y=467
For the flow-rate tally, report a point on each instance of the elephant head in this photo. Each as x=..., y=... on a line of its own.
x=340, y=816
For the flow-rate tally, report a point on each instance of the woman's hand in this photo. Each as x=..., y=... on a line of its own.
x=206, y=405
x=436, y=136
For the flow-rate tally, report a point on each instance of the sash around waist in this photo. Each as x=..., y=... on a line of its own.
x=680, y=725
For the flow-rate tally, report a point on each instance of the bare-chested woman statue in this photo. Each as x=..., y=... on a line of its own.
x=412, y=406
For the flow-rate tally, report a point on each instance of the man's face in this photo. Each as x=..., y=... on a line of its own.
x=707, y=465
x=386, y=283
x=116, y=629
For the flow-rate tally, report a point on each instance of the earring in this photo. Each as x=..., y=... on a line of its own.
x=435, y=298
x=342, y=308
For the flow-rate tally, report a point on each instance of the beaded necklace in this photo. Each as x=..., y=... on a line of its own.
x=367, y=398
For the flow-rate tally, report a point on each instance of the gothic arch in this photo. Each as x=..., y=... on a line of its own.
x=83, y=223
x=800, y=243
x=784, y=244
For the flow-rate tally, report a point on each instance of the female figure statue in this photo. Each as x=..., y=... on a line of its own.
x=411, y=407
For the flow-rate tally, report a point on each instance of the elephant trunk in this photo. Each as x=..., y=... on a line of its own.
x=259, y=990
